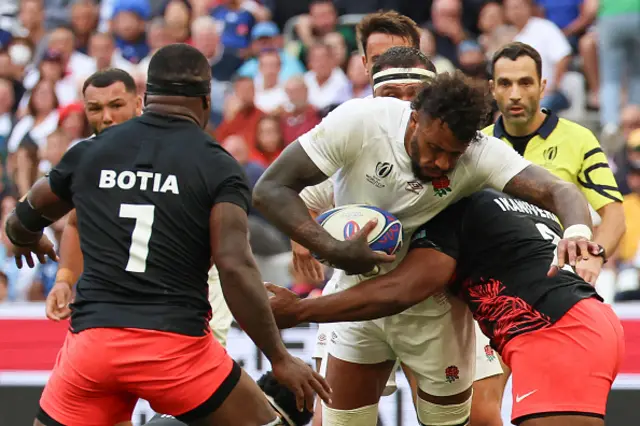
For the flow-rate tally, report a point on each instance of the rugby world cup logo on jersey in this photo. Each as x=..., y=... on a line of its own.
x=382, y=170
x=549, y=155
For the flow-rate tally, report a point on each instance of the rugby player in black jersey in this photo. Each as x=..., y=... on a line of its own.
x=157, y=199
x=563, y=344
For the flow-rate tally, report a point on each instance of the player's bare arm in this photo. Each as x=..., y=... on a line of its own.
x=422, y=273
x=538, y=186
x=248, y=301
x=276, y=197
x=26, y=223
x=71, y=261
x=612, y=227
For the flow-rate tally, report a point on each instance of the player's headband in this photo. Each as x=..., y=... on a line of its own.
x=401, y=75
x=192, y=89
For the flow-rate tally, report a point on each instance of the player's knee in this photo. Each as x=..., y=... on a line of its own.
x=485, y=414
x=487, y=402
x=363, y=416
x=430, y=414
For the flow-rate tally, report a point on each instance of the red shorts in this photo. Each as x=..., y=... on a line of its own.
x=100, y=374
x=568, y=367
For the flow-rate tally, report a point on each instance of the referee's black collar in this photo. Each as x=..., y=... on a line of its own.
x=548, y=126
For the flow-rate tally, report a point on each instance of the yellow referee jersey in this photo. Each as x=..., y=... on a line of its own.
x=569, y=151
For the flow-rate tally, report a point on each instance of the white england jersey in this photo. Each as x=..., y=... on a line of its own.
x=360, y=145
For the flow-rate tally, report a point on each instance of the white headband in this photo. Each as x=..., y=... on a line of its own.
x=401, y=75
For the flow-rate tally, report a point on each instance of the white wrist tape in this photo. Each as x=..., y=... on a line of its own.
x=580, y=231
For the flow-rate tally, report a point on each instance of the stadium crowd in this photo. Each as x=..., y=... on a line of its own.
x=279, y=66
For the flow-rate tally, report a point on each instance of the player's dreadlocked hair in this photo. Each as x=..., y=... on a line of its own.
x=461, y=103
x=284, y=401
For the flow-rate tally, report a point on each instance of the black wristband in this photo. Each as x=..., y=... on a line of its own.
x=36, y=237
x=30, y=218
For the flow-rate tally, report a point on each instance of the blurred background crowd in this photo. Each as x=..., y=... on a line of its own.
x=279, y=66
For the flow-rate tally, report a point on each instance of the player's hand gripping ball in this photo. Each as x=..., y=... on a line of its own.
x=343, y=222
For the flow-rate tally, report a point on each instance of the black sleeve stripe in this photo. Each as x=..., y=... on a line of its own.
x=594, y=151
x=594, y=167
x=601, y=189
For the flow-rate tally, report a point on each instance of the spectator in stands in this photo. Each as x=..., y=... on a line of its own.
x=84, y=21
x=178, y=16
x=494, y=30
x=31, y=19
x=103, y=50
x=472, y=59
x=75, y=64
x=6, y=115
x=205, y=34
x=326, y=83
x=237, y=23
x=238, y=148
x=630, y=156
x=321, y=20
x=41, y=118
x=128, y=26
x=447, y=28
x=574, y=17
x=338, y=49
x=619, y=39
x=21, y=53
x=241, y=115
x=359, y=86
x=269, y=139
x=428, y=47
x=57, y=144
x=7, y=72
x=545, y=37
x=265, y=35
x=157, y=37
x=270, y=94
x=74, y=123
x=298, y=115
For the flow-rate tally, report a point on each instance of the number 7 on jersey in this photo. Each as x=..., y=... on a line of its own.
x=139, y=248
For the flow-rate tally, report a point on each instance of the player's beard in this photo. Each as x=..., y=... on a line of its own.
x=415, y=162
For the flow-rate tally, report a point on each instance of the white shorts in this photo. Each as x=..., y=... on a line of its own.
x=438, y=349
x=320, y=351
x=221, y=317
x=487, y=362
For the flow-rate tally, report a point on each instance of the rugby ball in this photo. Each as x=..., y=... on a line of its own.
x=345, y=221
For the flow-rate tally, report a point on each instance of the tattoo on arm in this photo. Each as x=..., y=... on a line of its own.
x=276, y=197
x=538, y=186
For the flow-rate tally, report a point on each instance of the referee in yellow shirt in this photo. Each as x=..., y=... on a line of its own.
x=565, y=148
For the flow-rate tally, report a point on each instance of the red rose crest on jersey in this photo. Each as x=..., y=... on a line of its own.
x=491, y=355
x=441, y=186
x=452, y=373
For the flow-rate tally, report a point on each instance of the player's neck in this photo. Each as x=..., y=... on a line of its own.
x=177, y=111
x=527, y=128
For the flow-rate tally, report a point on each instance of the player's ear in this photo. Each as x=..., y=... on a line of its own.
x=543, y=86
x=139, y=104
x=492, y=87
x=364, y=62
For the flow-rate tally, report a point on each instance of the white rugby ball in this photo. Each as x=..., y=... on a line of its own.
x=344, y=221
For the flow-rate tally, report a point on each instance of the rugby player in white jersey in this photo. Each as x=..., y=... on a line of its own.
x=400, y=72
x=434, y=155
